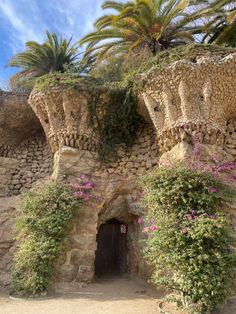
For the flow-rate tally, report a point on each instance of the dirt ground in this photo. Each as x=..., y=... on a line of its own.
x=107, y=296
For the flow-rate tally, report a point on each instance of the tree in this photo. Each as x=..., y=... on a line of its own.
x=39, y=59
x=221, y=28
x=156, y=24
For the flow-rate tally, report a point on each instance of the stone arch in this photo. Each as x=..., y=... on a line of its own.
x=121, y=202
x=125, y=208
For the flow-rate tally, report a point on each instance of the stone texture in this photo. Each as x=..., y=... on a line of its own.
x=188, y=99
x=7, y=168
x=17, y=121
x=179, y=113
x=7, y=242
x=66, y=122
x=117, y=199
x=34, y=162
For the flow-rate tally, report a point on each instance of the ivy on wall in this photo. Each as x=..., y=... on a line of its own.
x=189, y=242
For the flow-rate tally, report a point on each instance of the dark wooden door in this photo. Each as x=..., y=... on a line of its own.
x=111, y=254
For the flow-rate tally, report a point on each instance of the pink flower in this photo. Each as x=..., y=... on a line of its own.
x=154, y=228
x=145, y=229
x=213, y=189
x=75, y=185
x=82, y=177
x=75, y=194
x=139, y=220
x=189, y=217
x=88, y=185
x=214, y=158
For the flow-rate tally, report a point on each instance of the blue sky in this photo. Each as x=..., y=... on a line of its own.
x=23, y=20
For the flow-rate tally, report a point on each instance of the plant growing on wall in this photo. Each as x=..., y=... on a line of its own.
x=189, y=240
x=41, y=227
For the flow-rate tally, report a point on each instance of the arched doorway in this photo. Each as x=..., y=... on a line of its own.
x=111, y=254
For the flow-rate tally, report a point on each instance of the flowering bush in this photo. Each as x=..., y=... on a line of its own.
x=41, y=228
x=189, y=241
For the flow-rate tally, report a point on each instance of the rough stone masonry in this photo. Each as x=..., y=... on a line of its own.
x=187, y=99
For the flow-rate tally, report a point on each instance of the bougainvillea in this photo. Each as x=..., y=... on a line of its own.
x=188, y=239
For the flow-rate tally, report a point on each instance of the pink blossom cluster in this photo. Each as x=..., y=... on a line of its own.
x=217, y=169
x=147, y=229
x=150, y=229
x=194, y=215
x=82, y=188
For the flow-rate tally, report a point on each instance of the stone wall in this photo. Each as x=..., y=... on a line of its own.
x=7, y=168
x=64, y=116
x=24, y=153
x=27, y=163
x=230, y=138
x=34, y=162
x=143, y=155
x=17, y=121
x=7, y=242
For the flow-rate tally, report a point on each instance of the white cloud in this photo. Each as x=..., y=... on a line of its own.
x=78, y=15
x=20, y=28
x=28, y=19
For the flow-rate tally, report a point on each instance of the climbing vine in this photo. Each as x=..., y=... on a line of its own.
x=41, y=228
x=115, y=120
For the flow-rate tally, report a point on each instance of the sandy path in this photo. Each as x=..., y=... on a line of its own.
x=108, y=296
x=111, y=296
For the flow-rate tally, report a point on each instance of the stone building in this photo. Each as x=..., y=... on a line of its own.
x=193, y=97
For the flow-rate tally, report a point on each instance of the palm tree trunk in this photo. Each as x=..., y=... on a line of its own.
x=155, y=46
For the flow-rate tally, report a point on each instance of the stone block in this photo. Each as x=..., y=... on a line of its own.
x=85, y=274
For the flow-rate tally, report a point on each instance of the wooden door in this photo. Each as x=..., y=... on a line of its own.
x=111, y=254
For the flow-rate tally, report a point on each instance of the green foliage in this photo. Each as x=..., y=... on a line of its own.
x=41, y=228
x=124, y=70
x=20, y=85
x=221, y=27
x=116, y=68
x=115, y=120
x=112, y=109
x=190, y=246
x=38, y=59
x=156, y=25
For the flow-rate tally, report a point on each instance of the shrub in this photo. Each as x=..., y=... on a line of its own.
x=41, y=228
x=189, y=241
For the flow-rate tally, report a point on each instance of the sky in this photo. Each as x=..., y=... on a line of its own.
x=24, y=20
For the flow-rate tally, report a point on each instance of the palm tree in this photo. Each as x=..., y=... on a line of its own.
x=39, y=59
x=221, y=28
x=156, y=24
